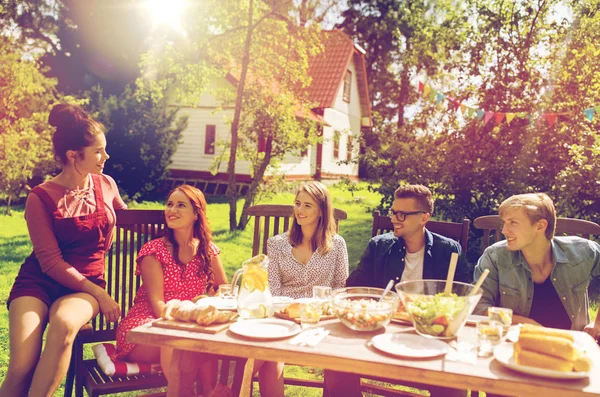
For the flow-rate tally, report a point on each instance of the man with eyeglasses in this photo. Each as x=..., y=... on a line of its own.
x=410, y=252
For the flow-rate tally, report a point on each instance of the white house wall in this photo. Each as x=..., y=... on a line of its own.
x=343, y=117
x=190, y=154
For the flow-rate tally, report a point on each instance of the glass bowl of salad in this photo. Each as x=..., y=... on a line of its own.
x=433, y=313
x=362, y=309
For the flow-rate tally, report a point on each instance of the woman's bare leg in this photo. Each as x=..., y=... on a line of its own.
x=27, y=321
x=144, y=354
x=270, y=378
x=67, y=315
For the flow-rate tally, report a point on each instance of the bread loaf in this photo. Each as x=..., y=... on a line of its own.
x=539, y=330
x=551, y=345
x=549, y=348
x=539, y=360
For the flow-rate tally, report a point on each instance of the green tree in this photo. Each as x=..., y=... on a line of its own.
x=265, y=50
x=142, y=136
x=25, y=136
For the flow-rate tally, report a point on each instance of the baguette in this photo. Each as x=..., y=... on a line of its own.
x=548, y=345
x=539, y=330
x=582, y=362
x=534, y=359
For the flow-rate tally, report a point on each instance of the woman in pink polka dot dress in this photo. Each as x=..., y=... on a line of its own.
x=181, y=265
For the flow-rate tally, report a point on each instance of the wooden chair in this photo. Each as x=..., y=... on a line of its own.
x=456, y=231
x=133, y=229
x=492, y=228
x=271, y=220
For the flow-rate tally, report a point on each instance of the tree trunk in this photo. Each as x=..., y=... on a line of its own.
x=258, y=178
x=232, y=188
x=8, y=201
x=404, y=88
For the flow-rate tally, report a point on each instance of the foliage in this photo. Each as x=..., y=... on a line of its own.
x=25, y=137
x=142, y=136
x=518, y=57
x=266, y=60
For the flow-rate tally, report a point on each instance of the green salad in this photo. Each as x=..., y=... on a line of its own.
x=432, y=315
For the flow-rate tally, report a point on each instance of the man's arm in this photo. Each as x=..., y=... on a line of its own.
x=363, y=274
x=593, y=328
x=490, y=285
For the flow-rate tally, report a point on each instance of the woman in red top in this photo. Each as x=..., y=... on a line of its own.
x=60, y=286
x=181, y=265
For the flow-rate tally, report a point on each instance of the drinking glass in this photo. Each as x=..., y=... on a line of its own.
x=225, y=291
x=310, y=312
x=322, y=293
x=489, y=334
x=502, y=315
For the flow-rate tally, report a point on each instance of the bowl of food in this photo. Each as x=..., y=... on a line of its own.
x=362, y=309
x=434, y=313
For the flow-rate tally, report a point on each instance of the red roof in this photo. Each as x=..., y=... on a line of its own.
x=328, y=69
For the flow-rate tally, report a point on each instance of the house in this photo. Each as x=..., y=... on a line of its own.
x=339, y=87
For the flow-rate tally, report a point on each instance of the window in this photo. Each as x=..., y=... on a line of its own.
x=347, y=85
x=336, y=145
x=349, y=148
x=209, y=139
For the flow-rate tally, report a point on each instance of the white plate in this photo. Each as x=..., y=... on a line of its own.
x=504, y=354
x=219, y=303
x=265, y=328
x=409, y=345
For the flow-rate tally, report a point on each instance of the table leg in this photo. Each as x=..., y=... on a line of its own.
x=182, y=374
x=246, y=388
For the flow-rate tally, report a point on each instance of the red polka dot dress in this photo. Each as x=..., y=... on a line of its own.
x=180, y=282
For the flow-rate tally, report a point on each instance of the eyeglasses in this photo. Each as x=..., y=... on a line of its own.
x=401, y=216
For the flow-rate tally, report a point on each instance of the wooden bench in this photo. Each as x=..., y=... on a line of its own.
x=133, y=229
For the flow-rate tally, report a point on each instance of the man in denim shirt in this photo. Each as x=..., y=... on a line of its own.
x=410, y=252
x=542, y=278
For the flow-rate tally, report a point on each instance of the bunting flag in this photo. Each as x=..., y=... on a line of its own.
x=551, y=118
x=499, y=117
x=589, y=113
x=486, y=115
x=439, y=98
x=426, y=90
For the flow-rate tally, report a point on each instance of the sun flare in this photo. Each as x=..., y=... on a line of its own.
x=167, y=12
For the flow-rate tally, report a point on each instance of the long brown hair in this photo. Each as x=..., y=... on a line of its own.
x=201, y=231
x=322, y=240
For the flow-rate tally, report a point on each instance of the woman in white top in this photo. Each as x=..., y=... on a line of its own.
x=311, y=253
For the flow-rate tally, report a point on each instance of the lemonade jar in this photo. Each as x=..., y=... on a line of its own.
x=254, y=299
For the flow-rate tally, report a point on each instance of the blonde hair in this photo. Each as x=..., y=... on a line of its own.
x=322, y=240
x=536, y=205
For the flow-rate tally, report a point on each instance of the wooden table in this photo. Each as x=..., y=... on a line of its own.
x=350, y=351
